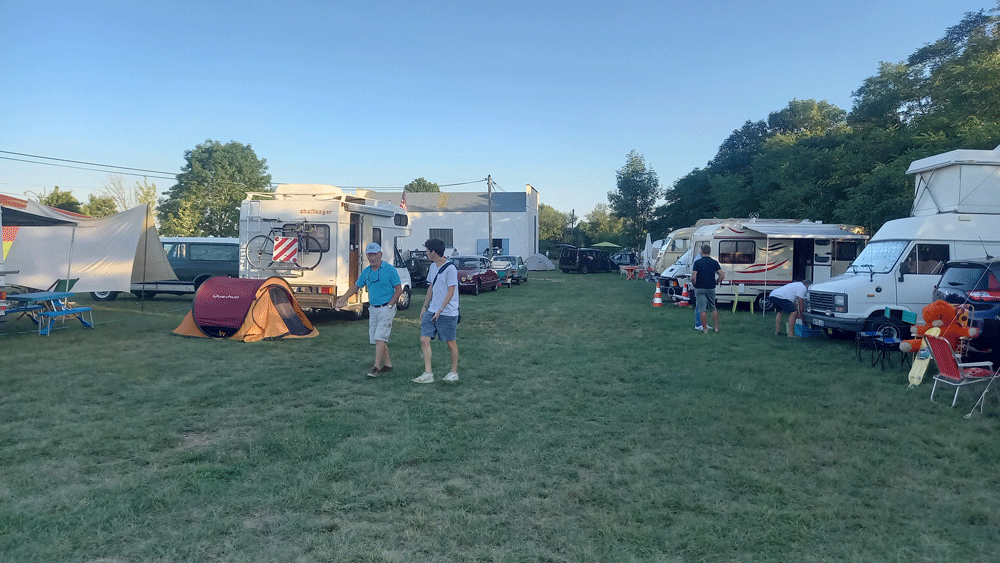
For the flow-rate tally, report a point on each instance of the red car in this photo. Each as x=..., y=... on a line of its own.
x=475, y=274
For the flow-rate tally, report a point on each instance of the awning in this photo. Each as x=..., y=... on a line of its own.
x=12, y=217
x=811, y=231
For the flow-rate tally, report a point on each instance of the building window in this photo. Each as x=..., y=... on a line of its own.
x=737, y=251
x=447, y=235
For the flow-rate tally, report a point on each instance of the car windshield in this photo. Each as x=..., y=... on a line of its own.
x=510, y=259
x=467, y=263
x=972, y=277
x=683, y=260
x=878, y=257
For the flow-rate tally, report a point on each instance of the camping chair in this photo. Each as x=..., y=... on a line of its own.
x=950, y=372
x=63, y=285
x=884, y=343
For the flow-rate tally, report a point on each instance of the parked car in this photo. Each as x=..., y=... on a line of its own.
x=584, y=260
x=504, y=269
x=625, y=259
x=975, y=283
x=475, y=274
x=417, y=264
x=519, y=268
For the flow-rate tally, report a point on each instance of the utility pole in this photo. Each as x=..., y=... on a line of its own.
x=489, y=199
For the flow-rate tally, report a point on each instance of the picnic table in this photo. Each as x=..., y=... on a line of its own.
x=44, y=307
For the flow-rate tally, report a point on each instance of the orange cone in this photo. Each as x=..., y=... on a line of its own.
x=685, y=297
x=657, y=298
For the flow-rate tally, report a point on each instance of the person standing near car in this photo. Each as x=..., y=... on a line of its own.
x=439, y=315
x=706, y=273
x=384, y=289
x=789, y=298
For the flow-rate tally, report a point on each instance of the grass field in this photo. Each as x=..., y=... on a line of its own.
x=587, y=426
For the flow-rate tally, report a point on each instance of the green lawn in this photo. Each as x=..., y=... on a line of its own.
x=587, y=426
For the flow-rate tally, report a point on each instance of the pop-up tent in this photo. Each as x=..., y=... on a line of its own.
x=246, y=310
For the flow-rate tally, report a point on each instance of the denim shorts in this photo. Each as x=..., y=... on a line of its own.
x=445, y=328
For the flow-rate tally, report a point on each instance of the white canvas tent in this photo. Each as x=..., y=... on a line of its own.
x=539, y=262
x=106, y=254
x=959, y=181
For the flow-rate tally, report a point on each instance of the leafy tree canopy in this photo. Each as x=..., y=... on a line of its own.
x=100, y=206
x=551, y=223
x=61, y=200
x=421, y=185
x=205, y=201
x=638, y=188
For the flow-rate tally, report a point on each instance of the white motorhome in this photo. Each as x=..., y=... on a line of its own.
x=955, y=215
x=759, y=255
x=676, y=244
x=314, y=236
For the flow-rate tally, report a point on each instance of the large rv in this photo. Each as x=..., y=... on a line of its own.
x=955, y=216
x=314, y=236
x=675, y=245
x=759, y=255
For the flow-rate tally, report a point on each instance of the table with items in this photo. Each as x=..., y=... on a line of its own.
x=44, y=307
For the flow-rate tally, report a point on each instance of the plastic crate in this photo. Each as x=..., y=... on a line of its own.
x=803, y=331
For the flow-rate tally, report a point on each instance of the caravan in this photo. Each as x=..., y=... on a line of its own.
x=673, y=247
x=759, y=255
x=955, y=216
x=314, y=236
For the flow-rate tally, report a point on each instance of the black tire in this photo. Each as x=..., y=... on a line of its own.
x=761, y=303
x=475, y=288
x=309, y=260
x=565, y=271
x=144, y=294
x=584, y=270
x=104, y=295
x=260, y=251
x=497, y=286
x=893, y=328
x=403, y=303
x=525, y=280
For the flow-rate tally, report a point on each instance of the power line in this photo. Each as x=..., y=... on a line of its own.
x=82, y=162
x=90, y=169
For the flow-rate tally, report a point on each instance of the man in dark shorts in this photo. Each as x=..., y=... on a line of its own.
x=789, y=299
x=706, y=274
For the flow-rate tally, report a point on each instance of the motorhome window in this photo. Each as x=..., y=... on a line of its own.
x=925, y=259
x=737, y=251
x=879, y=257
x=845, y=251
x=320, y=232
x=400, y=220
x=215, y=252
x=377, y=236
x=446, y=235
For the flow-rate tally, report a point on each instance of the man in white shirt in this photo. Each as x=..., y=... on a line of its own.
x=789, y=298
x=439, y=315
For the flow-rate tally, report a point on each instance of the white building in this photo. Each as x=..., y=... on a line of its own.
x=462, y=219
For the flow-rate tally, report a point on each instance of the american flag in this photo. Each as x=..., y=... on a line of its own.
x=402, y=201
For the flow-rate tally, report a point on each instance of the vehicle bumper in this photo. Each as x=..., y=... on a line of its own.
x=824, y=321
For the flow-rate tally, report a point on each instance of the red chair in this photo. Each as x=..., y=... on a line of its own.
x=950, y=372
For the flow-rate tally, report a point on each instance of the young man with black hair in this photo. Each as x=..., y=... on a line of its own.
x=439, y=315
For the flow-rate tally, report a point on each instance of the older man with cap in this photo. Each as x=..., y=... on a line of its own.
x=384, y=289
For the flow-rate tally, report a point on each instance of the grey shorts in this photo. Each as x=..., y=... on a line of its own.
x=445, y=328
x=706, y=299
x=380, y=323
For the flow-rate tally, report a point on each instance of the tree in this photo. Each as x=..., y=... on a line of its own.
x=637, y=190
x=127, y=197
x=206, y=199
x=100, y=206
x=551, y=223
x=600, y=224
x=421, y=185
x=61, y=200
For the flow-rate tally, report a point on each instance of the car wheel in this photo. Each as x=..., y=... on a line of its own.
x=887, y=327
x=144, y=294
x=565, y=271
x=104, y=295
x=403, y=303
x=583, y=270
x=762, y=303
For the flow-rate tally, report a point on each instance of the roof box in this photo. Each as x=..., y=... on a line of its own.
x=959, y=181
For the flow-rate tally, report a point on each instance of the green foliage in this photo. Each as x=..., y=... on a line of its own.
x=551, y=223
x=127, y=197
x=602, y=226
x=421, y=185
x=61, y=200
x=206, y=199
x=635, y=196
x=100, y=206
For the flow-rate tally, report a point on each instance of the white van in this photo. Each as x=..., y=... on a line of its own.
x=314, y=236
x=956, y=215
x=676, y=244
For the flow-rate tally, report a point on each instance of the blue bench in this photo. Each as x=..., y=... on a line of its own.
x=45, y=318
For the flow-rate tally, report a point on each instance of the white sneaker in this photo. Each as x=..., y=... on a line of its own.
x=697, y=327
x=424, y=378
x=452, y=376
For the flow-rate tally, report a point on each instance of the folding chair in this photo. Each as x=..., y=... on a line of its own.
x=63, y=285
x=950, y=372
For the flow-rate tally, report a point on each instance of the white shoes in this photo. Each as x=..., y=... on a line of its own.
x=426, y=377
x=452, y=376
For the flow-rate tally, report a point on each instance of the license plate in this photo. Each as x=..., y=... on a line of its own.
x=818, y=322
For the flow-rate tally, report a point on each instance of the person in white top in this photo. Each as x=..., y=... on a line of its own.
x=440, y=315
x=789, y=298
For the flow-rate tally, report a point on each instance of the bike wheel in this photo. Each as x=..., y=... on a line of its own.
x=309, y=260
x=260, y=252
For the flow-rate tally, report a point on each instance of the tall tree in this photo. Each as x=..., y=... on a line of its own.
x=551, y=223
x=61, y=200
x=633, y=200
x=421, y=185
x=206, y=199
x=600, y=224
x=99, y=206
x=127, y=197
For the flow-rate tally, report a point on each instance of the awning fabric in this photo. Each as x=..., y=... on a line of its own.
x=17, y=218
x=813, y=231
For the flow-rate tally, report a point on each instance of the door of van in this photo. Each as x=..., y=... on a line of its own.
x=822, y=260
x=918, y=272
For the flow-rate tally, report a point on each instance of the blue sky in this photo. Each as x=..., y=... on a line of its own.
x=553, y=94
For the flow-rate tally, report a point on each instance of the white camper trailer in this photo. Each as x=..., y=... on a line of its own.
x=314, y=236
x=955, y=215
x=759, y=255
x=676, y=244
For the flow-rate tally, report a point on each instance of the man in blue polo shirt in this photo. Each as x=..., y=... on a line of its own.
x=384, y=289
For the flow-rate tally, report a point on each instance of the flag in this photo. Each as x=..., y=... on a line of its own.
x=402, y=201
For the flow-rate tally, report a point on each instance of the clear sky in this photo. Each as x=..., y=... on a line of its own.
x=375, y=94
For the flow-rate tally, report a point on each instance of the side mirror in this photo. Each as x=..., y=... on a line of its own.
x=900, y=278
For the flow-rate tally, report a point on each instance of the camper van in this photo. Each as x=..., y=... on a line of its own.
x=759, y=255
x=955, y=216
x=676, y=244
x=314, y=236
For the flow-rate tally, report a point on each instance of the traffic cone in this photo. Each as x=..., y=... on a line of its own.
x=685, y=297
x=657, y=298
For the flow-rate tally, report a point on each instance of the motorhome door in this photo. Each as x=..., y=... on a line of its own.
x=802, y=259
x=822, y=260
